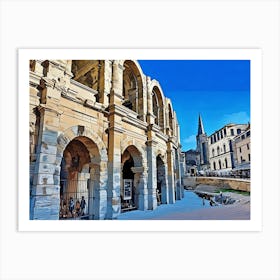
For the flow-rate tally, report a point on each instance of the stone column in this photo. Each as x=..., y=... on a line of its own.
x=150, y=114
x=178, y=176
x=114, y=150
x=152, y=174
x=142, y=190
x=170, y=166
x=105, y=81
x=45, y=200
x=98, y=193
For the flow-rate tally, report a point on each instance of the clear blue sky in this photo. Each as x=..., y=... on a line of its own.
x=217, y=89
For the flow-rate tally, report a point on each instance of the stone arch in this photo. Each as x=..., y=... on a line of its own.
x=131, y=142
x=133, y=173
x=158, y=103
x=72, y=132
x=94, y=171
x=133, y=86
x=162, y=155
x=170, y=118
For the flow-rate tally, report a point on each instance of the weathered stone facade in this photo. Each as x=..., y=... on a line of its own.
x=95, y=124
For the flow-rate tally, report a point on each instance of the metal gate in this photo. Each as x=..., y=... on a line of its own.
x=74, y=199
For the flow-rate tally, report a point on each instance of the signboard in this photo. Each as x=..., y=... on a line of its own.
x=127, y=188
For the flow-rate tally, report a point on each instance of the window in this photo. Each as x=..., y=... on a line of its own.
x=214, y=165
x=249, y=157
x=243, y=137
x=222, y=136
x=238, y=130
x=224, y=148
x=231, y=132
x=226, y=163
x=213, y=152
x=240, y=150
x=248, y=147
x=218, y=136
x=248, y=133
x=218, y=150
x=225, y=132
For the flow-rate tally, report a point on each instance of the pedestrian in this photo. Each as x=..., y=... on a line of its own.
x=83, y=206
x=71, y=205
x=221, y=196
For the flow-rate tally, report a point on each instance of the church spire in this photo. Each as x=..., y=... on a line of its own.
x=200, y=126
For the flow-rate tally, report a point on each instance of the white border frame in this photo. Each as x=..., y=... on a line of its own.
x=254, y=55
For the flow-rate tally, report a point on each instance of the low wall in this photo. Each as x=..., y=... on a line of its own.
x=231, y=183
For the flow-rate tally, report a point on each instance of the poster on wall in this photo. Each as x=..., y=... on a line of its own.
x=127, y=189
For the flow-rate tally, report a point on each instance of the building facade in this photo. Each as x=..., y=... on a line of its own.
x=103, y=138
x=242, y=144
x=222, y=154
x=192, y=159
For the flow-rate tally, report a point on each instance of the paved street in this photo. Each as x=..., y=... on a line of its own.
x=191, y=208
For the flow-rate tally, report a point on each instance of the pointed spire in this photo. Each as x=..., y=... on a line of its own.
x=200, y=126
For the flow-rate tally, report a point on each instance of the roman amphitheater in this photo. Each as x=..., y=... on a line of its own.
x=104, y=139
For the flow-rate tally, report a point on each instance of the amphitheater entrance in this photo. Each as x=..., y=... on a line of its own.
x=77, y=176
x=161, y=181
x=131, y=172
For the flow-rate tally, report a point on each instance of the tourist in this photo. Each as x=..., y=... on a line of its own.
x=71, y=205
x=83, y=206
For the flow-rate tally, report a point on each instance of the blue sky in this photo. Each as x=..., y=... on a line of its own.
x=217, y=89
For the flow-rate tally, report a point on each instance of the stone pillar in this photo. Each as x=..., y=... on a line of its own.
x=98, y=193
x=45, y=200
x=178, y=176
x=142, y=190
x=150, y=114
x=152, y=174
x=105, y=81
x=114, y=150
x=170, y=165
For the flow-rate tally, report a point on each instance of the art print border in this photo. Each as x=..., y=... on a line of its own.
x=254, y=55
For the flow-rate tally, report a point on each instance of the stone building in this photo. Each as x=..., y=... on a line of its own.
x=222, y=155
x=103, y=138
x=192, y=159
x=242, y=144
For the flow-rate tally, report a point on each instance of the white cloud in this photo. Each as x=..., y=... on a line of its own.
x=238, y=118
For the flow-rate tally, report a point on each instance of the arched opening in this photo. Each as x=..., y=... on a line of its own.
x=170, y=119
x=158, y=107
x=131, y=170
x=220, y=165
x=226, y=163
x=78, y=171
x=132, y=88
x=88, y=73
x=218, y=150
x=161, y=179
x=214, y=165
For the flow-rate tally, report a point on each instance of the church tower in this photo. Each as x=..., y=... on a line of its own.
x=202, y=146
